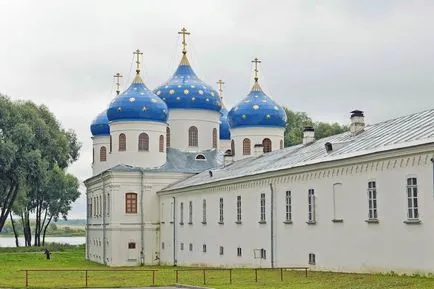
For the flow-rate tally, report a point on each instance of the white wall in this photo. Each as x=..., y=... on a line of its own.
x=256, y=136
x=97, y=165
x=351, y=246
x=132, y=156
x=120, y=227
x=225, y=144
x=180, y=120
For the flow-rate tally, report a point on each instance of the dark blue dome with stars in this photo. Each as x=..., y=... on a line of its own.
x=225, y=132
x=137, y=103
x=257, y=109
x=100, y=125
x=186, y=91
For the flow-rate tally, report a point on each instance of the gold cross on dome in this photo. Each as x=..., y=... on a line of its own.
x=118, y=77
x=184, y=32
x=138, y=53
x=220, y=86
x=256, y=61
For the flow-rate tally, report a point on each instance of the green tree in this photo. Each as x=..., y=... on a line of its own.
x=298, y=120
x=32, y=144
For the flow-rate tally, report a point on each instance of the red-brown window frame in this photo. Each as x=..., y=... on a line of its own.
x=131, y=203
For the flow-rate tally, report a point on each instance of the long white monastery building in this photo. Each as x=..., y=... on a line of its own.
x=179, y=180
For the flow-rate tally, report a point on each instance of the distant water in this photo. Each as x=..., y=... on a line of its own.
x=10, y=241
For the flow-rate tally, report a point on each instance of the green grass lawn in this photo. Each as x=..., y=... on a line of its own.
x=12, y=262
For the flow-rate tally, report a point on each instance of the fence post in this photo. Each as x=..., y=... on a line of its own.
x=281, y=274
x=176, y=276
x=256, y=275
x=85, y=276
x=230, y=276
x=27, y=279
x=204, y=277
x=305, y=269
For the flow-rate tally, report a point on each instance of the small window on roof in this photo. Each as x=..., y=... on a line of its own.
x=328, y=147
x=200, y=157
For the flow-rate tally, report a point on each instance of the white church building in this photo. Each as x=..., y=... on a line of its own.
x=180, y=180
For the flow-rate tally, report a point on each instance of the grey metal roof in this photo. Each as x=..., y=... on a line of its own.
x=181, y=162
x=401, y=132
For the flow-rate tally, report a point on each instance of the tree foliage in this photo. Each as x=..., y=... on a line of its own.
x=298, y=120
x=34, y=153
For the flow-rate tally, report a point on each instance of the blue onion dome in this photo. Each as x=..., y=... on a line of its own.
x=100, y=125
x=257, y=109
x=186, y=91
x=225, y=130
x=137, y=103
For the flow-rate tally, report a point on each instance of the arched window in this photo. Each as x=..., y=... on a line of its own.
x=143, y=142
x=110, y=143
x=246, y=147
x=168, y=137
x=102, y=154
x=161, y=147
x=214, y=138
x=131, y=203
x=192, y=137
x=266, y=143
x=233, y=147
x=281, y=144
x=122, y=142
x=200, y=157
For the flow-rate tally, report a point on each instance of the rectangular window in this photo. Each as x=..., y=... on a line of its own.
x=131, y=245
x=238, y=209
x=413, y=208
x=239, y=252
x=204, y=248
x=312, y=260
x=288, y=207
x=263, y=254
x=203, y=211
x=190, y=212
x=162, y=246
x=221, y=219
x=190, y=247
x=311, y=206
x=221, y=250
x=181, y=213
x=182, y=246
x=130, y=203
x=262, y=208
x=372, y=200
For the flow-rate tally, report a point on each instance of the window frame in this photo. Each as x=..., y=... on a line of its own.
x=132, y=199
x=372, y=200
x=288, y=206
x=204, y=211
x=267, y=145
x=412, y=199
x=190, y=212
x=161, y=144
x=221, y=211
x=103, y=154
x=122, y=145
x=143, y=142
x=262, y=204
x=214, y=138
x=239, y=209
x=311, y=218
x=193, y=136
x=181, y=213
x=168, y=137
x=247, y=148
x=239, y=252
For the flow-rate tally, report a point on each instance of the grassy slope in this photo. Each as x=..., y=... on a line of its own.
x=11, y=263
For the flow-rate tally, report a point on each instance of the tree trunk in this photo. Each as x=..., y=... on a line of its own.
x=45, y=230
x=15, y=231
x=6, y=206
x=26, y=228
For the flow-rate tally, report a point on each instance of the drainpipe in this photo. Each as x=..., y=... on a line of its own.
x=174, y=232
x=432, y=160
x=87, y=224
x=104, y=255
x=272, y=225
x=142, y=217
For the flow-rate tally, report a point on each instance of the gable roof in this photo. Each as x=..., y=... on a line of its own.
x=406, y=131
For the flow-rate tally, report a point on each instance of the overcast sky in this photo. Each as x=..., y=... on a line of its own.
x=322, y=57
